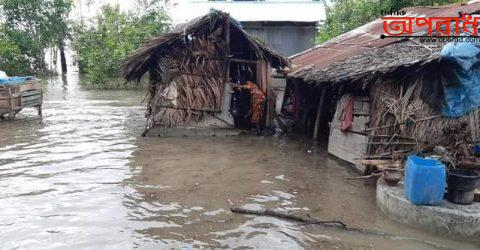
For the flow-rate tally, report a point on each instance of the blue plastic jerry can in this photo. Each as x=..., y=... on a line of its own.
x=425, y=181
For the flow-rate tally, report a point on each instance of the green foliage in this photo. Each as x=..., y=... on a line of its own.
x=12, y=61
x=101, y=46
x=35, y=25
x=346, y=15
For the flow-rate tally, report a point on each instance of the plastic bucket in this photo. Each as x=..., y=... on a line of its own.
x=476, y=149
x=461, y=186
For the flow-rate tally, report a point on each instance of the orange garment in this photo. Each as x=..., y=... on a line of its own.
x=257, y=100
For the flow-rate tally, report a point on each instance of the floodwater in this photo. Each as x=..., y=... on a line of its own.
x=82, y=177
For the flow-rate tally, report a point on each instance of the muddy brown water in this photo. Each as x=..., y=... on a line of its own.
x=82, y=177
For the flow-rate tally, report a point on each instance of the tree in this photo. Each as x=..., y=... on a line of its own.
x=12, y=61
x=102, y=45
x=60, y=30
x=35, y=25
x=346, y=15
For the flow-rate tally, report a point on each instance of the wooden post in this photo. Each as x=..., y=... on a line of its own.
x=261, y=79
x=227, y=50
x=270, y=96
x=226, y=62
x=11, y=115
x=264, y=82
x=319, y=113
x=225, y=115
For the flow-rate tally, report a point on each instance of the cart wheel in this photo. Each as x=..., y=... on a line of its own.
x=11, y=115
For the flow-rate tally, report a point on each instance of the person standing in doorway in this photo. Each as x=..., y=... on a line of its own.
x=257, y=98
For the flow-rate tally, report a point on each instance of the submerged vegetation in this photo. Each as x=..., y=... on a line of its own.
x=33, y=30
x=102, y=44
x=27, y=29
x=346, y=15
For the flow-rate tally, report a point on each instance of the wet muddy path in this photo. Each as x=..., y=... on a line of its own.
x=82, y=177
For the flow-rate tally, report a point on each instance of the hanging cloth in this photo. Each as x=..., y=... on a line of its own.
x=347, y=113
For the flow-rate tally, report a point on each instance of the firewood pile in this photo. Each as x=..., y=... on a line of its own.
x=402, y=123
x=458, y=144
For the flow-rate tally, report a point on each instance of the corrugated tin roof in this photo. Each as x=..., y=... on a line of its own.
x=365, y=38
x=362, y=69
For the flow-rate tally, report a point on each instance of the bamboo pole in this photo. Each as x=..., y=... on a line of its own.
x=287, y=216
x=393, y=125
x=319, y=113
x=227, y=50
x=270, y=95
x=391, y=143
x=238, y=60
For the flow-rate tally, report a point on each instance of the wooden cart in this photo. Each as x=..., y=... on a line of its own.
x=15, y=96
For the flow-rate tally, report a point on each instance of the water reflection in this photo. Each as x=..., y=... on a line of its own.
x=61, y=175
x=81, y=177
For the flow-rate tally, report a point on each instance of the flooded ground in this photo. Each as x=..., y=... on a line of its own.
x=82, y=177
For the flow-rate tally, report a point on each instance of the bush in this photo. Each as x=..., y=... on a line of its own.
x=104, y=44
x=33, y=26
x=12, y=61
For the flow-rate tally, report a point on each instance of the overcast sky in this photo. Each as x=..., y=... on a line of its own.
x=184, y=10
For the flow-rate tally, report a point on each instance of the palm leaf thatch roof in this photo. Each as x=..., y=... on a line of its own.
x=139, y=62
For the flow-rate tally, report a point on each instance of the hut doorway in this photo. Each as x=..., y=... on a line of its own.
x=325, y=110
x=241, y=107
x=240, y=73
x=310, y=108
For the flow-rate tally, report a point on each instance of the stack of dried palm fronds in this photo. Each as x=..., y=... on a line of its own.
x=198, y=74
x=410, y=124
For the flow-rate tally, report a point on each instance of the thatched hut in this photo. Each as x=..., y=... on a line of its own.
x=391, y=88
x=190, y=70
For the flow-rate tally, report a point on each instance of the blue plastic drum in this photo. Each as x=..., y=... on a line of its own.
x=425, y=181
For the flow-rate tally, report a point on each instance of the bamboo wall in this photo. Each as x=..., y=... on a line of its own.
x=197, y=72
x=410, y=124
